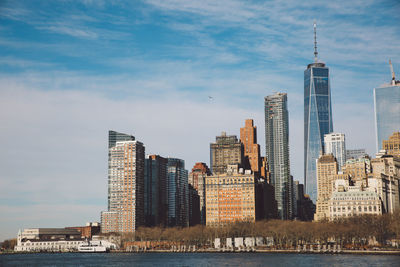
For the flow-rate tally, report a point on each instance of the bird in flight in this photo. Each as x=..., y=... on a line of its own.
x=210, y=98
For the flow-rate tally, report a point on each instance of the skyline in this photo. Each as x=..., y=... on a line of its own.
x=71, y=71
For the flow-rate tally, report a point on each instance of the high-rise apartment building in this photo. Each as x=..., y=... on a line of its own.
x=125, y=184
x=277, y=151
x=155, y=190
x=387, y=110
x=317, y=118
x=392, y=146
x=225, y=151
x=230, y=197
x=197, y=178
x=335, y=144
x=248, y=136
x=327, y=170
x=178, y=193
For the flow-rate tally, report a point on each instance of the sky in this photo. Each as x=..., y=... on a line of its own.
x=72, y=70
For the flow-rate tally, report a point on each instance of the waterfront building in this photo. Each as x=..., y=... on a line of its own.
x=317, y=118
x=277, y=151
x=197, y=178
x=225, y=151
x=392, y=145
x=89, y=230
x=355, y=153
x=155, y=190
x=327, y=169
x=125, y=184
x=335, y=144
x=348, y=201
x=48, y=239
x=387, y=110
x=248, y=136
x=230, y=197
x=178, y=193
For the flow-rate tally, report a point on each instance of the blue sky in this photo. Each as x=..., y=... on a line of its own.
x=72, y=70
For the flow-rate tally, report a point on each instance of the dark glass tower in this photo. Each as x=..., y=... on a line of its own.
x=317, y=118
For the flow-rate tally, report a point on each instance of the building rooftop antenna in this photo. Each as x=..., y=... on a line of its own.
x=315, y=42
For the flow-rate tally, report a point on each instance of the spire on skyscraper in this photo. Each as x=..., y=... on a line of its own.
x=315, y=42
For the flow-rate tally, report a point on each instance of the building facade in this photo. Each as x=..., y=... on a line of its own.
x=348, y=201
x=248, y=136
x=125, y=185
x=178, y=193
x=355, y=153
x=197, y=178
x=387, y=112
x=226, y=150
x=317, y=118
x=327, y=170
x=392, y=145
x=335, y=143
x=155, y=190
x=277, y=151
x=230, y=197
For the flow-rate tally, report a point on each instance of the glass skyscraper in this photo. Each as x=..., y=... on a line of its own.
x=387, y=112
x=277, y=150
x=317, y=120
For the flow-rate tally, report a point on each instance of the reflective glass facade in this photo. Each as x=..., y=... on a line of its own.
x=277, y=150
x=317, y=121
x=387, y=113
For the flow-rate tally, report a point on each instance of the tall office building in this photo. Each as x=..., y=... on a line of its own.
x=327, y=170
x=125, y=184
x=335, y=143
x=155, y=190
x=317, y=117
x=248, y=136
x=225, y=151
x=392, y=146
x=277, y=150
x=387, y=110
x=178, y=193
x=197, y=178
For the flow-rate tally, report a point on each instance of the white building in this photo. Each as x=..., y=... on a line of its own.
x=48, y=239
x=348, y=201
x=335, y=143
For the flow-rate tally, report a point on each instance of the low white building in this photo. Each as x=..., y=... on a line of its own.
x=48, y=239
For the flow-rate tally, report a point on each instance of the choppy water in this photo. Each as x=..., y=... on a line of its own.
x=197, y=259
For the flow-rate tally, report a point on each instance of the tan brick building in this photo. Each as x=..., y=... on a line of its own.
x=327, y=169
x=392, y=146
x=230, y=197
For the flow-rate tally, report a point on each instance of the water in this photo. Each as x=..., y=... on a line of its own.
x=197, y=259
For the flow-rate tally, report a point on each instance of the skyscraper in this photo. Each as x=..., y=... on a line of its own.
x=392, y=146
x=248, y=136
x=155, y=190
x=387, y=110
x=317, y=117
x=335, y=143
x=178, y=193
x=277, y=150
x=225, y=151
x=125, y=184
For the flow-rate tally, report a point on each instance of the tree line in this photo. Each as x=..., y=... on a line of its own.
x=351, y=232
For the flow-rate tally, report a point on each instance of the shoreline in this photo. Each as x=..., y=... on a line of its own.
x=266, y=251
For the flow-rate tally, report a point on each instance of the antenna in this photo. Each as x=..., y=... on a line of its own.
x=391, y=69
x=315, y=42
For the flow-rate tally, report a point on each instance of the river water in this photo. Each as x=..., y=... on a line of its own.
x=197, y=259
